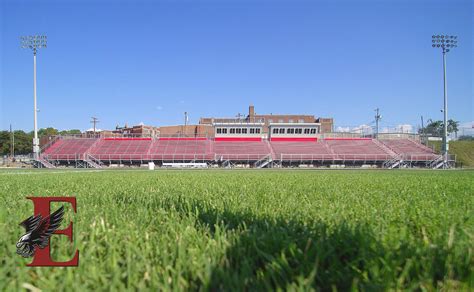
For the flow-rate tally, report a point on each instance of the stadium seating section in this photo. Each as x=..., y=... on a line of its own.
x=411, y=150
x=181, y=149
x=68, y=149
x=241, y=150
x=202, y=149
x=302, y=151
x=360, y=149
x=122, y=149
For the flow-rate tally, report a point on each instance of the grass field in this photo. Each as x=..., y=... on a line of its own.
x=211, y=230
x=464, y=151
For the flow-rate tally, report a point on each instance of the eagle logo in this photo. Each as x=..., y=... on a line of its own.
x=38, y=232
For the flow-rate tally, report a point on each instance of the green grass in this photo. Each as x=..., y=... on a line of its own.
x=227, y=230
x=464, y=151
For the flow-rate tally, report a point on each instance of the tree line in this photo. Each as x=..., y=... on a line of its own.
x=24, y=140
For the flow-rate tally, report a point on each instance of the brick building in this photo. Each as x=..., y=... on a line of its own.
x=138, y=131
x=267, y=119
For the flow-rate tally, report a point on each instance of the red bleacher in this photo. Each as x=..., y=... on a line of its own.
x=203, y=149
x=121, y=149
x=68, y=149
x=357, y=149
x=292, y=151
x=241, y=150
x=411, y=150
x=180, y=149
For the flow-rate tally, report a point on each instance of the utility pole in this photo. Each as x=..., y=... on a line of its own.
x=445, y=42
x=94, y=121
x=423, y=130
x=34, y=42
x=12, y=145
x=378, y=117
x=185, y=122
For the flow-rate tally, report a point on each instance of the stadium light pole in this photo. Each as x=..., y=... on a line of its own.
x=34, y=42
x=446, y=43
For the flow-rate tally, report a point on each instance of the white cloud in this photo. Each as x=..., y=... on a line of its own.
x=363, y=129
x=343, y=129
x=404, y=128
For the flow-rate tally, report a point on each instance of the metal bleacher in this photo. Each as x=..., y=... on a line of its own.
x=97, y=151
x=180, y=149
x=364, y=149
x=68, y=149
x=243, y=151
x=122, y=149
x=302, y=151
x=410, y=150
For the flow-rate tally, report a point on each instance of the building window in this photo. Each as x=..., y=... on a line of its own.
x=224, y=131
x=313, y=131
x=282, y=130
x=219, y=130
x=232, y=130
x=306, y=131
x=238, y=130
x=298, y=131
x=290, y=131
x=244, y=131
x=257, y=131
x=275, y=130
x=252, y=131
x=290, y=121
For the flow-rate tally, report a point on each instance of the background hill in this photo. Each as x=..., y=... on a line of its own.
x=464, y=151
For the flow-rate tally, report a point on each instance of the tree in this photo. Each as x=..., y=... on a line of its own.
x=47, y=132
x=453, y=126
x=70, y=132
x=436, y=128
x=23, y=142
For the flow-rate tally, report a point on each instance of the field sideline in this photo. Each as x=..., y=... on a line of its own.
x=248, y=229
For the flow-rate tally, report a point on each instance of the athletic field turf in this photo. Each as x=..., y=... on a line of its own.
x=223, y=230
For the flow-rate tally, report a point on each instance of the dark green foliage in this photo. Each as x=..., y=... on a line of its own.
x=436, y=128
x=24, y=141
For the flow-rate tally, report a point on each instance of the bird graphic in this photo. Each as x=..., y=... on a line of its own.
x=38, y=232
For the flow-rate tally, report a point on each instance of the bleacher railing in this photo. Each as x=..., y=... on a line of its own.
x=334, y=157
x=50, y=143
x=152, y=157
x=239, y=157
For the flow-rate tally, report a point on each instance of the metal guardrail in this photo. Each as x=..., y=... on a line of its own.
x=334, y=157
x=239, y=157
x=50, y=143
x=152, y=157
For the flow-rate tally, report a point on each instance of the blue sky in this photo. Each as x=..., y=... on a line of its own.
x=144, y=61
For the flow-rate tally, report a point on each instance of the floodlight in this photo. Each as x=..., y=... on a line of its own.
x=447, y=43
x=34, y=42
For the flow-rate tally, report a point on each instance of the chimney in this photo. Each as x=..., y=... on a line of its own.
x=251, y=112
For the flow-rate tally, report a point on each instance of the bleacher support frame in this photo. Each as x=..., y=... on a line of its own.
x=266, y=159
